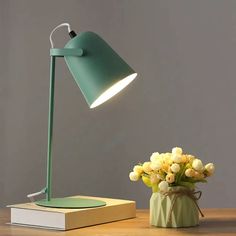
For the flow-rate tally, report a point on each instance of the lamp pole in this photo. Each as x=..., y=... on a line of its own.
x=54, y=52
x=50, y=128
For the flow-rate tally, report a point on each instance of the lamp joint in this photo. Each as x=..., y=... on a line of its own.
x=61, y=52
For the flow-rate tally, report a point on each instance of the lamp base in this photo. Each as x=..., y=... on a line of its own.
x=71, y=203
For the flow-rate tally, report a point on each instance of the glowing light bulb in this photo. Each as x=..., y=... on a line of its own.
x=113, y=90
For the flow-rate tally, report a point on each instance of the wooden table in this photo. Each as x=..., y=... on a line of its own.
x=216, y=222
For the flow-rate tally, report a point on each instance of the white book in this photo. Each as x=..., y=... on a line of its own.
x=31, y=215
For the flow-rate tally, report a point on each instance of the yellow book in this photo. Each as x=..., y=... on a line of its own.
x=31, y=215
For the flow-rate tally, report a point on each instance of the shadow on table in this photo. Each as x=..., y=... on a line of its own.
x=213, y=227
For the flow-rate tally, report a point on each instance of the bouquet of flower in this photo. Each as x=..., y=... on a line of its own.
x=171, y=169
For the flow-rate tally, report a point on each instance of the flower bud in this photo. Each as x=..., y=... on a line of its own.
x=133, y=176
x=154, y=156
x=184, y=159
x=156, y=165
x=190, y=158
x=170, y=178
x=163, y=186
x=154, y=179
x=175, y=168
x=198, y=175
x=189, y=172
x=138, y=169
x=177, y=150
x=210, y=168
x=177, y=158
x=165, y=168
x=197, y=165
x=146, y=167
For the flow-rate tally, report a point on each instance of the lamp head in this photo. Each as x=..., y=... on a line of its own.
x=100, y=73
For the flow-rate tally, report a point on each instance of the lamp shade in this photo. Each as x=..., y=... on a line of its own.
x=100, y=72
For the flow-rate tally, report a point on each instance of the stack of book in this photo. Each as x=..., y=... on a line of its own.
x=31, y=215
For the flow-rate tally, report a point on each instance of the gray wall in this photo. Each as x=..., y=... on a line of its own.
x=185, y=54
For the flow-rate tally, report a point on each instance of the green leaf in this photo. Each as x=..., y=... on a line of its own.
x=180, y=173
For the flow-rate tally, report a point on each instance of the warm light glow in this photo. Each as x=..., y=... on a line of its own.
x=113, y=90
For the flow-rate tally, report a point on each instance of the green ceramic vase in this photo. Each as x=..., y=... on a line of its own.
x=184, y=212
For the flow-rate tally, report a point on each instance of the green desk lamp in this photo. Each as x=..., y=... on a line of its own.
x=100, y=73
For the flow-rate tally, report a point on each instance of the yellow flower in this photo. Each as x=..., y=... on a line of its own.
x=154, y=156
x=177, y=158
x=170, y=178
x=175, y=168
x=177, y=151
x=197, y=165
x=156, y=165
x=210, y=168
x=163, y=186
x=146, y=166
x=184, y=159
x=198, y=175
x=190, y=158
x=133, y=176
x=167, y=158
x=189, y=172
x=138, y=169
x=165, y=167
x=154, y=179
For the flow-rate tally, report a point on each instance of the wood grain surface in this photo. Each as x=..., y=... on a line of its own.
x=216, y=222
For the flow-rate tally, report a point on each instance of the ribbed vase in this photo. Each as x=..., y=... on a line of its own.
x=184, y=212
